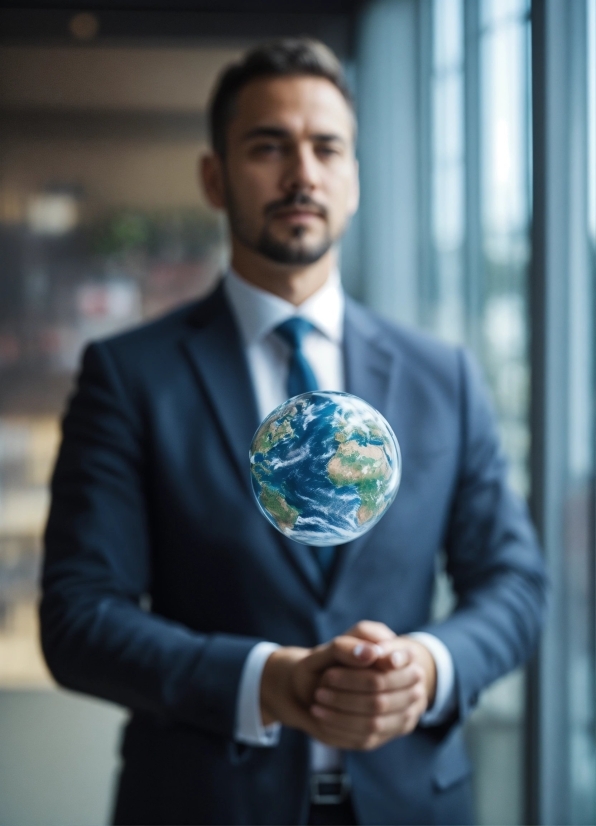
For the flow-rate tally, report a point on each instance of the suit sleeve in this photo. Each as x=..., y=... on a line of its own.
x=95, y=636
x=493, y=557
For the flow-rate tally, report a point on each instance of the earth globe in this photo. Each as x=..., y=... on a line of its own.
x=325, y=466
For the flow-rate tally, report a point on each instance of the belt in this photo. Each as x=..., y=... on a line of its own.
x=329, y=787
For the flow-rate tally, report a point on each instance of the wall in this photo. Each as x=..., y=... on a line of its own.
x=58, y=758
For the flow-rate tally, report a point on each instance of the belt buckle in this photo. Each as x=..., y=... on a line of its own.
x=329, y=788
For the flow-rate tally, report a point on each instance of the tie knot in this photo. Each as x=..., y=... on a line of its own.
x=293, y=331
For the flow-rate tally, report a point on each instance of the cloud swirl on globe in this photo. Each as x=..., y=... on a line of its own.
x=325, y=466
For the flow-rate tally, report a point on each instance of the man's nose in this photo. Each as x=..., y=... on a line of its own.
x=302, y=172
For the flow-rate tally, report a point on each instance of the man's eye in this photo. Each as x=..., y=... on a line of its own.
x=327, y=151
x=266, y=148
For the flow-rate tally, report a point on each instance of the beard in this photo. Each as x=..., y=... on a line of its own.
x=294, y=250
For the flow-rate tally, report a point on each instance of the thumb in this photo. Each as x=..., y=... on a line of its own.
x=345, y=650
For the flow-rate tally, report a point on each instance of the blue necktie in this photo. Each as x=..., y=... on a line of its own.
x=301, y=379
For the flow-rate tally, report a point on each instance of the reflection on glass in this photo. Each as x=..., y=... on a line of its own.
x=101, y=226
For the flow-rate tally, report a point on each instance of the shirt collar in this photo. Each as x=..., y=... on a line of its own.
x=258, y=312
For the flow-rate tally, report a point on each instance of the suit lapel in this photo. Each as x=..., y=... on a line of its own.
x=372, y=372
x=217, y=355
x=215, y=350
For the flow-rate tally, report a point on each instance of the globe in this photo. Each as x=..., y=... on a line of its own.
x=325, y=466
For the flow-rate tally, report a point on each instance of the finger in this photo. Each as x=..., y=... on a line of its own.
x=371, y=631
x=366, y=724
x=397, y=652
x=349, y=651
x=361, y=727
x=335, y=736
x=394, y=658
x=370, y=680
x=348, y=732
x=370, y=704
x=353, y=732
x=339, y=738
x=342, y=739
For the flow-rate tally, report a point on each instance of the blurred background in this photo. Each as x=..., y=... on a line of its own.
x=478, y=223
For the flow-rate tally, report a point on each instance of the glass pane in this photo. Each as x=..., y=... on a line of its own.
x=495, y=119
x=447, y=315
x=505, y=232
x=495, y=12
x=497, y=731
x=101, y=225
x=447, y=34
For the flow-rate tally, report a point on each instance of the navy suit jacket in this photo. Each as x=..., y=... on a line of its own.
x=151, y=502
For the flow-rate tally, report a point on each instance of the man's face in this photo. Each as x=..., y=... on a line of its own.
x=289, y=180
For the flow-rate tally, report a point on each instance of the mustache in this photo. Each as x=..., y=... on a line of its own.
x=298, y=199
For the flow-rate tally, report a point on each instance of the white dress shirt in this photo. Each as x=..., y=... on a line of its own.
x=257, y=314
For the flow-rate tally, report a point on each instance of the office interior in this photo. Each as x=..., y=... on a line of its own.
x=477, y=152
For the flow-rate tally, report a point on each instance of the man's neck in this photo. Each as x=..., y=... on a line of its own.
x=291, y=282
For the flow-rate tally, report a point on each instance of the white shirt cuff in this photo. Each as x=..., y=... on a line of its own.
x=445, y=694
x=249, y=723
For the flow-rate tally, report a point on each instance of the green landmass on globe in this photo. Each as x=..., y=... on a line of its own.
x=363, y=466
x=325, y=467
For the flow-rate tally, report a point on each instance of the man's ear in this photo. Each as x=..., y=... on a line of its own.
x=211, y=176
x=354, y=198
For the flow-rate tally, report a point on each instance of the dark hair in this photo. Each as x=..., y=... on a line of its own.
x=280, y=58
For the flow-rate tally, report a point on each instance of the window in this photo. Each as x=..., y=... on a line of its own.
x=445, y=219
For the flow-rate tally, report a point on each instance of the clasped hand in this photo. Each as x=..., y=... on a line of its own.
x=358, y=691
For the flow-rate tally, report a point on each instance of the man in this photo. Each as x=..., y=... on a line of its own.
x=269, y=684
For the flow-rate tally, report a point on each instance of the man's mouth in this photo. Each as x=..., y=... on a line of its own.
x=296, y=214
x=297, y=210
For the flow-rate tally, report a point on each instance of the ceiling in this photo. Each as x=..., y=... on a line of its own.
x=220, y=6
x=230, y=23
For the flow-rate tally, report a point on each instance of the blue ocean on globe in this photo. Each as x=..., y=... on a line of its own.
x=325, y=466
